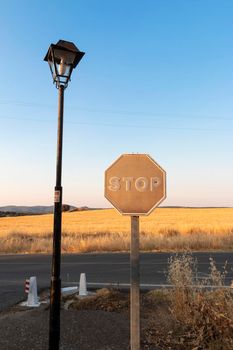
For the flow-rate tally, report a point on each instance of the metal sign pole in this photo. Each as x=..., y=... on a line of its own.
x=135, y=184
x=55, y=289
x=134, y=285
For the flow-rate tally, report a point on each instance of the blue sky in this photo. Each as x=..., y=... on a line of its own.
x=157, y=78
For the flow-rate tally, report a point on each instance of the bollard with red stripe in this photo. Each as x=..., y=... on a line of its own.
x=30, y=288
x=27, y=285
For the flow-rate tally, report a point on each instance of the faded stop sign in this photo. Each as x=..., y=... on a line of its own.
x=135, y=184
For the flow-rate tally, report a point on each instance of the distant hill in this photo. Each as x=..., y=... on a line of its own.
x=84, y=209
x=38, y=209
x=17, y=210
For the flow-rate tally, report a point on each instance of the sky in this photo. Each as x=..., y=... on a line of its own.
x=156, y=78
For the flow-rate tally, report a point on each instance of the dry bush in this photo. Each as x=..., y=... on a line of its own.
x=105, y=299
x=204, y=315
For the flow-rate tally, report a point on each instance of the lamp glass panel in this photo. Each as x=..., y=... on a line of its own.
x=67, y=57
x=63, y=69
x=52, y=68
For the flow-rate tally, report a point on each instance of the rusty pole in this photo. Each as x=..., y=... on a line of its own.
x=134, y=285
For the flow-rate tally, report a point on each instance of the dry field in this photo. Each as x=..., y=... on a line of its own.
x=166, y=229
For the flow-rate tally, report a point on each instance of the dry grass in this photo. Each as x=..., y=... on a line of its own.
x=204, y=316
x=106, y=230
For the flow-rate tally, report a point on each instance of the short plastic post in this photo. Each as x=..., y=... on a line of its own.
x=82, y=285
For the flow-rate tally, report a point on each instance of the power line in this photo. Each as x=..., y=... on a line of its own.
x=117, y=112
x=144, y=126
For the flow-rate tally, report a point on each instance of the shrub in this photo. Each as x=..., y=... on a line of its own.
x=205, y=314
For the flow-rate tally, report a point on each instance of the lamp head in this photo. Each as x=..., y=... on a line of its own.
x=62, y=58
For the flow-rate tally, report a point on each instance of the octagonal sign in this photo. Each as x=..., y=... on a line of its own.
x=135, y=184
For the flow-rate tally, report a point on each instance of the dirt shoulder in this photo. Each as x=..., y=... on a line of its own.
x=87, y=330
x=184, y=318
x=100, y=322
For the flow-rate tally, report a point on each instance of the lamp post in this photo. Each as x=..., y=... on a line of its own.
x=62, y=58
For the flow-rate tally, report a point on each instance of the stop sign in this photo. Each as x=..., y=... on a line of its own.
x=135, y=184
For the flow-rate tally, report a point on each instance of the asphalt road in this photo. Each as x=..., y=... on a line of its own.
x=100, y=269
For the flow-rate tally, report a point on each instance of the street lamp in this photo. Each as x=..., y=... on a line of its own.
x=62, y=58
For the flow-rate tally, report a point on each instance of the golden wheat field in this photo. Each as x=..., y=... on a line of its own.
x=106, y=230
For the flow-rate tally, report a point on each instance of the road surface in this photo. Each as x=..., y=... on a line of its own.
x=99, y=268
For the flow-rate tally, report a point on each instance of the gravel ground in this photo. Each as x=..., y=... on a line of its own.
x=83, y=330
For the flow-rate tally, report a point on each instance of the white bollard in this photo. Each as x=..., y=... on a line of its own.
x=32, y=300
x=83, y=285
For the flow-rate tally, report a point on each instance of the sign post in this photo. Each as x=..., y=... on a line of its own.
x=135, y=185
x=134, y=285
